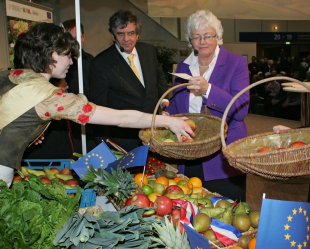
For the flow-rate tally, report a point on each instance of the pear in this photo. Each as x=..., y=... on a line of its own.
x=206, y=202
x=201, y=222
x=223, y=204
x=212, y=212
x=35, y=172
x=209, y=196
x=242, y=222
x=185, y=197
x=239, y=209
x=49, y=173
x=174, y=196
x=198, y=195
x=193, y=200
x=64, y=177
x=226, y=216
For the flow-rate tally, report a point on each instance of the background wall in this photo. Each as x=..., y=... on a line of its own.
x=161, y=31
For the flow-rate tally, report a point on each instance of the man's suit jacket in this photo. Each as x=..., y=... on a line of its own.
x=113, y=84
x=229, y=77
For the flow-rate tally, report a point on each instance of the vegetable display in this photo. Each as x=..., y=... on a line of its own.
x=31, y=213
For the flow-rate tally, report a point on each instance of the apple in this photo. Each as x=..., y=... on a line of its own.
x=175, y=214
x=141, y=200
x=168, y=140
x=185, y=139
x=55, y=170
x=191, y=124
x=59, y=180
x=72, y=182
x=45, y=180
x=173, y=189
x=163, y=205
x=297, y=144
x=17, y=177
x=65, y=171
x=151, y=204
x=128, y=202
x=264, y=149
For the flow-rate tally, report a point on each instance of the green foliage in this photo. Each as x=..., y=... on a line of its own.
x=165, y=57
x=31, y=213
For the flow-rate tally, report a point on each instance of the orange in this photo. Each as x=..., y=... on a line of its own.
x=178, y=179
x=163, y=180
x=138, y=179
x=252, y=243
x=194, y=182
x=235, y=247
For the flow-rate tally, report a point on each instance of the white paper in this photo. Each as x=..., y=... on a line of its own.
x=182, y=75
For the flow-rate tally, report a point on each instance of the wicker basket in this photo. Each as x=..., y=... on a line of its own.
x=275, y=164
x=207, y=139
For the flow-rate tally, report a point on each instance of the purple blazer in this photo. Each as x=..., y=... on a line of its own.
x=230, y=76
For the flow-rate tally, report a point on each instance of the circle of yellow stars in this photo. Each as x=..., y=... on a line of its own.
x=124, y=158
x=101, y=161
x=290, y=218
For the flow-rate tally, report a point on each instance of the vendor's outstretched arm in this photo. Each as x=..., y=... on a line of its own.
x=136, y=119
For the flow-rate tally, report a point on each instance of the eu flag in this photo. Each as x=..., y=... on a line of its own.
x=283, y=224
x=136, y=157
x=100, y=156
x=196, y=240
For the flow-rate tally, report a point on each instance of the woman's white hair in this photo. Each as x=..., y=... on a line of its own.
x=203, y=19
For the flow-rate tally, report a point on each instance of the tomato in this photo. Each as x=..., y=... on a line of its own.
x=147, y=174
x=152, y=170
x=153, y=159
x=162, y=165
x=158, y=162
x=149, y=161
x=163, y=205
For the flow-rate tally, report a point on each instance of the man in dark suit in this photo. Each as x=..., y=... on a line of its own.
x=126, y=76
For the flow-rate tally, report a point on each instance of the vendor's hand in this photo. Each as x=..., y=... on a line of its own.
x=279, y=128
x=200, y=85
x=165, y=113
x=179, y=127
x=39, y=140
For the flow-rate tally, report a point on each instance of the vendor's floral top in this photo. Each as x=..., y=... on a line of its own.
x=60, y=105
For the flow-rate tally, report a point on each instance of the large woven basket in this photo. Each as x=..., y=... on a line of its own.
x=276, y=164
x=206, y=142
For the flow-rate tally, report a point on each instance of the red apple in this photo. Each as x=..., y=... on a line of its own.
x=65, y=171
x=175, y=214
x=59, y=180
x=72, y=182
x=297, y=144
x=45, y=180
x=151, y=204
x=264, y=149
x=141, y=200
x=17, y=177
x=163, y=205
x=128, y=202
x=55, y=170
x=185, y=139
x=191, y=124
x=173, y=189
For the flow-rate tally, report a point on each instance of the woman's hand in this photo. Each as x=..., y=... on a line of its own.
x=279, y=128
x=200, y=85
x=179, y=127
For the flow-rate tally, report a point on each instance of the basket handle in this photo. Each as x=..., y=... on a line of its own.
x=248, y=88
x=159, y=101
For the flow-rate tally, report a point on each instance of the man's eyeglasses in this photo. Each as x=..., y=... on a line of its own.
x=206, y=38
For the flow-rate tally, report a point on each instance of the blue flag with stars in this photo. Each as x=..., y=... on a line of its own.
x=100, y=156
x=135, y=157
x=283, y=224
x=196, y=240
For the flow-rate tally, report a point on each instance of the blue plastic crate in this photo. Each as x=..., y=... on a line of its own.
x=88, y=197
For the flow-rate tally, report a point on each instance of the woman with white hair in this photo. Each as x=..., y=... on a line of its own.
x=217, y=75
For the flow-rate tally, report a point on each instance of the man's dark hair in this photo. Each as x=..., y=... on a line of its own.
x=122, y=18
x=35, y=47
x=70, y=24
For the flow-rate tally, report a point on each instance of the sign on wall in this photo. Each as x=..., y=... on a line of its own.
x=274, y=37
x=20, y=16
